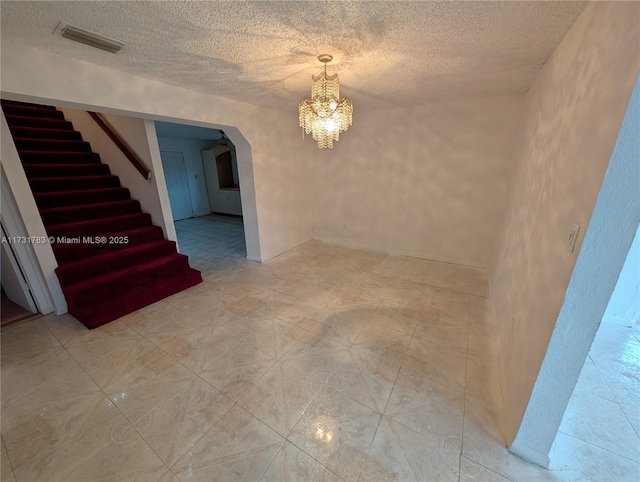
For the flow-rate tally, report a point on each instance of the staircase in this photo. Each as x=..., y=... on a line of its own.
x=82, y=204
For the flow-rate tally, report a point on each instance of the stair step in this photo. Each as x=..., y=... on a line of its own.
x=100, y=227
x=26, y=104
x=51, y=145
x=82, y=204
x=25, y=121
x=35, y=171
x=72, y=214
x=49, y=157
x=42, y=133
x=31, y=111
x=83, y=196
x=66, y=253
x=110, y=285
x=96, y=314
x=101, y=264
x=54, y=184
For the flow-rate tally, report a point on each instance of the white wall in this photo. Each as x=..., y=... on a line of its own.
x=574, y=111
x=429, y=181
x=612, y=227
x=273, y=160
x=624, y=305
x=133, y=132
x=190, y=149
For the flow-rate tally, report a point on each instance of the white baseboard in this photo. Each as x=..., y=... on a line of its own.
x=396, y=252
x=530, y=455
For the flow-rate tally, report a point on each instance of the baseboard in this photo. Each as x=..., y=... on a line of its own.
x=532, y=456
x=396, y=252
x=264, y=259
x=393, y=252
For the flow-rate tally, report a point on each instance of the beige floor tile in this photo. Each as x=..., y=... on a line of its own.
x=291, y=463
x=337, y=431
x=169, y=477
x=177, y=423
x=591, y=383
x=236, y=371
x=27, y=339
x=151, y=317
x=433, y=361
x=602, y=423
x=6, y=472
x=282, y=394
x=390, y=289
x=238, y=447
x=136, y=462
x=401, y=316
x=197, y=344
x=386, y=345
x=302, y=312
x=399, y=453
x=273, y=336
x=483, y=443
x=137, y=395
x=316, y=342
x=427, y=407
x=366, y=379
x=47, y=375
x=70, y=332
x=470, y=470
x=471, y=280
x=111, y=358
x=343, y=324
x=442, y=334
x=46, y=440
x=573, y=459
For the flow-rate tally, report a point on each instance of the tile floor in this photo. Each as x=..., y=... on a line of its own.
x=325, y=363
x=604, y=411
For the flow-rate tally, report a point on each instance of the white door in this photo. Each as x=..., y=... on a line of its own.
x=175, y=175
x=13, y=282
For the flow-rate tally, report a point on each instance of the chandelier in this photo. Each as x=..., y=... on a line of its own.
x=326, y=114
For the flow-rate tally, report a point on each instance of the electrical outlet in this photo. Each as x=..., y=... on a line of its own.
x=573, y=237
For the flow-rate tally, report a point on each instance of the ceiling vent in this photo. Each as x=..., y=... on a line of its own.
x=87, y=37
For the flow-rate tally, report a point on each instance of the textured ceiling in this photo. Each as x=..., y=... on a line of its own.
x=387, y=54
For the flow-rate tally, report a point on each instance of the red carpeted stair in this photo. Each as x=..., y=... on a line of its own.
x=79, y=199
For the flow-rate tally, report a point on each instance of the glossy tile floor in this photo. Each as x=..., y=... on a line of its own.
x=323, y=364
x=604, y=410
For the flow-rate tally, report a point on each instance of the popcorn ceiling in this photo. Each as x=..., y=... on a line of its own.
x=387, y=54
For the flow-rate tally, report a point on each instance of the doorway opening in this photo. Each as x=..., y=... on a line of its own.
x=604, y=409
x=203, y=184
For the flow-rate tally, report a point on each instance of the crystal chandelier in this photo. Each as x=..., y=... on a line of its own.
x=326, y=114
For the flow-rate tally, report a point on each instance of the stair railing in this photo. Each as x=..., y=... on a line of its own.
x=120, y=143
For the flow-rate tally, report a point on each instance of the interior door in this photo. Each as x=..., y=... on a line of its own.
x=175, y=175
x=13, y=282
